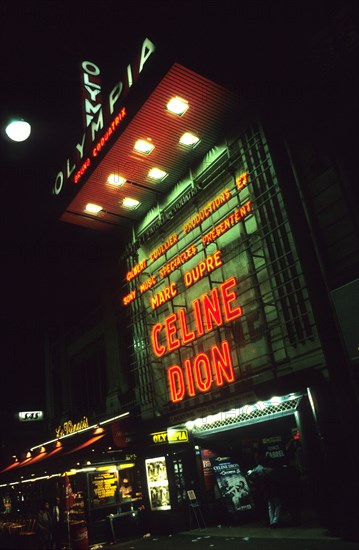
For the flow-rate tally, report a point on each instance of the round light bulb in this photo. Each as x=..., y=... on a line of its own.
x=18, y=130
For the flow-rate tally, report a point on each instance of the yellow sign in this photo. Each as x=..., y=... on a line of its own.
x=172, y=435
x=70, y=428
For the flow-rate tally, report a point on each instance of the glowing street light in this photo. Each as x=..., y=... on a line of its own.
x=18, y=130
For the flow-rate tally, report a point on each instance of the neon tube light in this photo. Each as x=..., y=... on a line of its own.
x=81, y=431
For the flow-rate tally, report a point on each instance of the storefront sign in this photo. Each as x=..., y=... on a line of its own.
x=31, y=416
x=172, y=435
x=96, y=115
x=69, y=427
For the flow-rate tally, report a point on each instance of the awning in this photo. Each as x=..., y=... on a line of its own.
x=85, y=444
x=11, y=467
x=58, y=459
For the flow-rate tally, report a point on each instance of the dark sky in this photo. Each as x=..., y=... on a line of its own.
x=251, y=47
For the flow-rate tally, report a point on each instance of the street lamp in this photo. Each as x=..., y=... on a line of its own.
x=18, y=130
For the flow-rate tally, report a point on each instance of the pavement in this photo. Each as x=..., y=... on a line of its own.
x=245, y=537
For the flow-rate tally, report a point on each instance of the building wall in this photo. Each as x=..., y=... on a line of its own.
x=276, y=335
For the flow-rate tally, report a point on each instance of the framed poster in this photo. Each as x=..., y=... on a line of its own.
x=157, y=483
x=103, y=488
x=232, y=484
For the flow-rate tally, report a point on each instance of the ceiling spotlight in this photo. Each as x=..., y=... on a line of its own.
x=144, y=146
x=190, y=140
x=93, y=208
x=18, y=130
x=129, y=203
x=177, y=105
x=157, y=174
x=115, y=179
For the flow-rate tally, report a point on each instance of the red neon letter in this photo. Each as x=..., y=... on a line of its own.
x=189, y=378
x=228, y=297
x=158, y=350
x=198, y=319
x=203, y=375
x=186, y=336
x=222, y=363
x=171, y=329
x=212, y=310
x=176, y=383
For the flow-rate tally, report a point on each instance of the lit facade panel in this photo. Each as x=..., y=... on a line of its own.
x=218, y=290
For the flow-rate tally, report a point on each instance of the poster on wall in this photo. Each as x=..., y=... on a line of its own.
x=232, y=484
x=104, y=488
x=157, y=483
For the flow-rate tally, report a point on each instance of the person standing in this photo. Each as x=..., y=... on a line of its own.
x=44, y=523
x=57, y=524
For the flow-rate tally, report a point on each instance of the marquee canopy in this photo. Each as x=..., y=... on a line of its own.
x=119, y=172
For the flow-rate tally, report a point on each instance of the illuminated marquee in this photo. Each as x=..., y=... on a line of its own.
x=164, y=295
x=227, y=224
x=135, y=271
x=242, y=180
x=206, y=266
x=149, y=283
x=129, y=297
x=207, y=211
x=201, y=373
x=214, y=366
x=162, y=249
x=208, y=314
x=178, y=260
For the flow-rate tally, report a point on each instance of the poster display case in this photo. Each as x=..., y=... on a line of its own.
x=157, y=482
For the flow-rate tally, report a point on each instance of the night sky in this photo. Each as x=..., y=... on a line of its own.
x=252, y=47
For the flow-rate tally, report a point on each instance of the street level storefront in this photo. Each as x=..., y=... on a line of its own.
x=95, y=473
x=200, y=472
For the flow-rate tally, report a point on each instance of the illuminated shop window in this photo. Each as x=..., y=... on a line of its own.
x=190, y=140
x=115, y=485
x=157, y=174
x=93, y=208
x=177, y=105
x=115, y=179
x=129, y=203
x=144, y=146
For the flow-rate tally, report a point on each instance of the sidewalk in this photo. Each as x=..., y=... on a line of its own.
x=254, y=536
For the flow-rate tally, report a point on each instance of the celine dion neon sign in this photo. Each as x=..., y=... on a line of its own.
x=210, y=311
x=198, y=375
x=213, y=367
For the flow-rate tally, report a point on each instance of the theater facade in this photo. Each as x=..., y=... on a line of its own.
x=226, y=357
